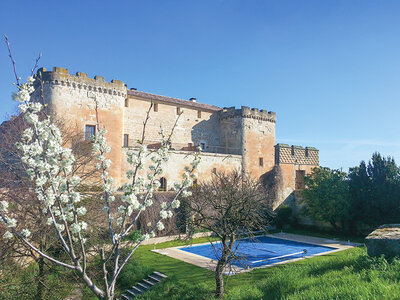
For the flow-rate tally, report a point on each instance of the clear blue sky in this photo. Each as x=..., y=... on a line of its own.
x=330, y=69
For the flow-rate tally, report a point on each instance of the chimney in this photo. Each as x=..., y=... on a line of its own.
x=192, y=99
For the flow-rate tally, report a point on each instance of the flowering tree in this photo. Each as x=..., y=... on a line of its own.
x=17, y=188
x=49, y=167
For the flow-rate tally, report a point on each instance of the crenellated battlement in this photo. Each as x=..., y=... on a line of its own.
x=61, y=77
x=297, y=155
x=247, y=112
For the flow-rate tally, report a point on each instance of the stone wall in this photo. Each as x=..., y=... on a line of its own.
x=295, y=163
x=253, y=132
x=174, y=168
x=232, y=138
x=192, y=127
x=73, y=98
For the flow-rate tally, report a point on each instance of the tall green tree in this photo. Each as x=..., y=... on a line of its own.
x=326, y=197
x=375, y=191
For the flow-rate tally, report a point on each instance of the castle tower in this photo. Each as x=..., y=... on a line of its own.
x=252, y=131
x=295, y=162
x=72, y=99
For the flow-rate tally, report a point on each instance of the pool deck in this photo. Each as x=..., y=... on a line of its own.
x=210, y=264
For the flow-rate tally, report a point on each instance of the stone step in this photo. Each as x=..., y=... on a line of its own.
x=138, y=289
x=143, y=285
x=132, y=293
x=160, y=274
x=154, y=278
x=149, y=282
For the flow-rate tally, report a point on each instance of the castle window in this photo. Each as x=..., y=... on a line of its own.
x=155, y=107
x=214, y=170
x=126, y=140
x=199, y=114
x=261, y=161
x=89, y=131
x=163, y=186
x=178, y=110
x=126, y=103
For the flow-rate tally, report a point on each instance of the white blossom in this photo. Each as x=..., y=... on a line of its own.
x=148, y=202
x=145, y=237
x=11, y=222
x=3, y=206
x=163, y=214
x=25, y=232
x=8, y=235
x=175, y=204
x=75, y=228
x=81, y=211
x=121, y=209
x=186, y=193
x=160, y=226
x=117, y=237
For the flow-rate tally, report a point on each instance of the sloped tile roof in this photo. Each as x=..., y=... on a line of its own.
x=179, y=102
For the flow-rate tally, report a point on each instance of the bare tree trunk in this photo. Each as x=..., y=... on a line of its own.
x=219, y=279
x=40, y=278
x=219, y=270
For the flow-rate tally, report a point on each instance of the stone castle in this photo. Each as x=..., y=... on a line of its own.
x=229, y=138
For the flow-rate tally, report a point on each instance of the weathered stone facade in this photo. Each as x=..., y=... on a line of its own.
x=295, y=162
x=230, y=138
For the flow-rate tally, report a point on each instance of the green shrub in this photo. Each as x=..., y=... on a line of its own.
x=283, y=216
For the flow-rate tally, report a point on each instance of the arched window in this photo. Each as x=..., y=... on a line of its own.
x=163, y=186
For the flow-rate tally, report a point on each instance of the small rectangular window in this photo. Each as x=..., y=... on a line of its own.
x=126, y=140
x=89, y=131
x=178, y=110
x=261, y=161
x=155, y=107
x=214, y=170
x=126, y=103
x=199, y=114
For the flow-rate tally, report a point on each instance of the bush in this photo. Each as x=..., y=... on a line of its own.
x=283, y=216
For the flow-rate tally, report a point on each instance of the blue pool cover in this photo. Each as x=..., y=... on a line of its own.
x=260, y=251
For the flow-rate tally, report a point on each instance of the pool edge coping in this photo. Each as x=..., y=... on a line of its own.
x=207, y=263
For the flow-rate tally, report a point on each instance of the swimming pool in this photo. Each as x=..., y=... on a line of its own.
x=260, y=251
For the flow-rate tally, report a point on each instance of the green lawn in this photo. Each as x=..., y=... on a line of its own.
x=347, y=274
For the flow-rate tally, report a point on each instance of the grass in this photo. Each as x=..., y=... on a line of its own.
x=348, y=274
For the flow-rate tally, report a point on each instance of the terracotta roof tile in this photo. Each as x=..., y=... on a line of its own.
x=173, y=100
